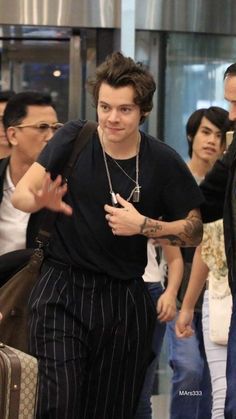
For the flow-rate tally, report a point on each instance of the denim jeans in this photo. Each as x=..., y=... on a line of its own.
x=230, y=404
x=191, y=385
x=144, y=410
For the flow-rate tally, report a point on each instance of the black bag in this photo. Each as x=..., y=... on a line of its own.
x=14, y=294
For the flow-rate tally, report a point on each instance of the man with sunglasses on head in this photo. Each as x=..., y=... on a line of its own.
x=30, y=121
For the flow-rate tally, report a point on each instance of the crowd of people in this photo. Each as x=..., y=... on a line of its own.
x=125, y=262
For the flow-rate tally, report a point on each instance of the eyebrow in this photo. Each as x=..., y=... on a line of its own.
x=132, y=105
x=209, y=129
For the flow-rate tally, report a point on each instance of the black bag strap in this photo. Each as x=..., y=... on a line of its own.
x=83, y=137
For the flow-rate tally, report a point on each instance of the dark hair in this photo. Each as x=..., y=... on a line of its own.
x=16, y=108
x=120, y=71
x=216, y=115
x=230, y=71
x=5, y=95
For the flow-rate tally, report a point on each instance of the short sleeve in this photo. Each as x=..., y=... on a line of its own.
x=58, y=150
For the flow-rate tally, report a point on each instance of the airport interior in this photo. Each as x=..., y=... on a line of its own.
x=54, y=46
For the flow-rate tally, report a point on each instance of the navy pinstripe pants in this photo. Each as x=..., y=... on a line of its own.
x=92, y=335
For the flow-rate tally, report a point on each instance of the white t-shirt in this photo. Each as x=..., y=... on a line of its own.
x=154, y=271
x=13, y=222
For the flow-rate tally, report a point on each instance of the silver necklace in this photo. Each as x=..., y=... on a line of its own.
x=135, y=193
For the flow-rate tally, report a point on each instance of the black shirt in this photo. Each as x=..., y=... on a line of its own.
x=84, y=239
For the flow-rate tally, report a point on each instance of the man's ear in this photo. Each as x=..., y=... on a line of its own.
x=144, y=116
x=11, y=135
x=189, y=139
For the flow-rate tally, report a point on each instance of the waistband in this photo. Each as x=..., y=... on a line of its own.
x=58, y=264
x=61, y=266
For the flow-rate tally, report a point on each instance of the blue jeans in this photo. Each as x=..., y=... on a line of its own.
x=230, y=403
x=191, y=385
x=144, y=410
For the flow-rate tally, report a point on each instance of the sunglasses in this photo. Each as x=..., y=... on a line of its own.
x=42, y=126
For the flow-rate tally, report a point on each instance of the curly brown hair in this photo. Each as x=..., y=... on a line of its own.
x=120, y=71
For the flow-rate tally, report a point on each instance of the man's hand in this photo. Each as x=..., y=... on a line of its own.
x=51, y=194
x=124, y=221
x=183, y=327
x=166, y=307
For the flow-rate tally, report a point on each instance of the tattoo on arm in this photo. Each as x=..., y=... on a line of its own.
x=193, y=228
x=190, y=235
x=150, y=226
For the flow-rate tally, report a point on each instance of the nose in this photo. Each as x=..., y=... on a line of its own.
x=113, y=115
x=212, y=138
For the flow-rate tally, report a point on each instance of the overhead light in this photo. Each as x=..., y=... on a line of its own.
x=56, y=73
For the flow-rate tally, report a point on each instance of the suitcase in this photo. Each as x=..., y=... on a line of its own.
x=18, y=384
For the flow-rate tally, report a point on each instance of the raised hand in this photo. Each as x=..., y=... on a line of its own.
x=50, y=195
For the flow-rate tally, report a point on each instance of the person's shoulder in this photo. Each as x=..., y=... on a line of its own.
x=159, y=148
x=70, y=129
x=73, y=125
x=64, y=136
x=59, y=148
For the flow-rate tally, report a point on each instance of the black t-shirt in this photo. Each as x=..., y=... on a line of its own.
x=84, y=239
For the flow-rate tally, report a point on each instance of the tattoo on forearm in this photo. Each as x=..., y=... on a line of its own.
x=189, y=236
x=150, y=227
x=193, y=228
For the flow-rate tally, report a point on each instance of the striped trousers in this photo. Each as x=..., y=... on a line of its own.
x=92, y=336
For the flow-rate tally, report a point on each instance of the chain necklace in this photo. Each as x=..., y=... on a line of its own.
x=135, y=193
